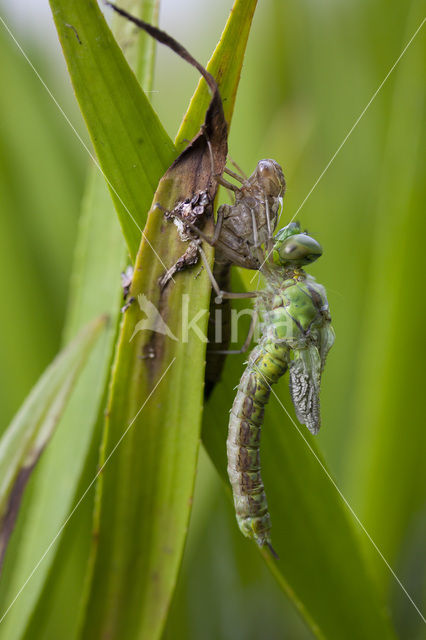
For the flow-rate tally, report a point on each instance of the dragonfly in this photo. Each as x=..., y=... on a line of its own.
x=296, y=336
x=296, y=328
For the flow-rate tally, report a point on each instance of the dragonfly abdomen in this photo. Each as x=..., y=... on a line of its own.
x=251, y=507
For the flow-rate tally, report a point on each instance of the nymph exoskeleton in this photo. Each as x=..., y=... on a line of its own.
x=242, y=227
x=240, y=230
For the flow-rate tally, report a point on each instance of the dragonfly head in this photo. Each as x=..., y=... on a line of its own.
x=293, y=248
x=269, y=175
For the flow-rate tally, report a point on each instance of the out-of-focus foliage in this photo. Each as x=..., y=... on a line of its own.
x=310, y=69
x=37, y=223
x=30, y=431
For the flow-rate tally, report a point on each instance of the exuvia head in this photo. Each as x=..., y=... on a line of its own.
x=293, y=248
x=270, y=177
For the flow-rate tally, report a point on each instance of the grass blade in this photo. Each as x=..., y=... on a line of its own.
x=35, y=252
x=132, y=147
x=30, y=431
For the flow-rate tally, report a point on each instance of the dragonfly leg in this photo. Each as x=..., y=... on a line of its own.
x=257, y=251
x=201, y=234
x=234, y=175
x=220, y=295
x=240, y=171
x=218, y=225
x=226, y=170
x=126, y=280
x=281, y=201
x=219, y=179
x=268, y=216
x=128, y=304
x=270, y=240
x=187, y=259
x=217, y=229
x=255, y=234
x=227, y=184
x=247, y=341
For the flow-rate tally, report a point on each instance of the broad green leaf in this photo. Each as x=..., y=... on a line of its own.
x=320, y=556
x=132, y=147
x=30, y=431
x=152, y=435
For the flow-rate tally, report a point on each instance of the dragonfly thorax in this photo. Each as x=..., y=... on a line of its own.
x=291, y=312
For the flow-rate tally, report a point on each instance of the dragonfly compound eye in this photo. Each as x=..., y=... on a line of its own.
x=296, y=250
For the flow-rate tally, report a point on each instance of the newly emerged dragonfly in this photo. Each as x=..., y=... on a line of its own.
x=296, y=335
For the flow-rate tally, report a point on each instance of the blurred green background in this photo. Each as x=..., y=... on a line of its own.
x=311, y=68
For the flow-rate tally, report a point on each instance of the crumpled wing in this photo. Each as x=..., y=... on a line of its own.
x=305, y=378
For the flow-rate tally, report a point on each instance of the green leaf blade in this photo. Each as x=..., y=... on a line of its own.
x=27, y=436
x=225, y=66
x=124, y=128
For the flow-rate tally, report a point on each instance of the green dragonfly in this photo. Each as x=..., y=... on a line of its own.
x=296, y=336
